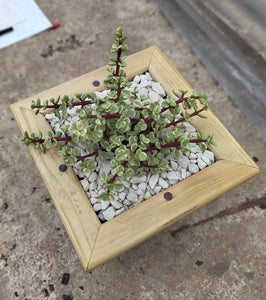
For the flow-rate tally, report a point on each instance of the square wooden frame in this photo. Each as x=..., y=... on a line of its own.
x=96, y=243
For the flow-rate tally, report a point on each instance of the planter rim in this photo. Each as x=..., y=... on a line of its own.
x=96, y=243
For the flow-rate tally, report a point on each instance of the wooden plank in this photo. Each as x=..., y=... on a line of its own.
x=153, y=215
x=71, y=202
x=226, y=146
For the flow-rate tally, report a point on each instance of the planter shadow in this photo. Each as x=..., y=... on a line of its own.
x=97, y=243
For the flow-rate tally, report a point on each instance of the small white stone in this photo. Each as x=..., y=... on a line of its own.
x=137, y=179
x=137, y=79
x=163, y=183
x=192, y=155
x=172, y=182
x=116, y=204
x=148, y=76
x=201, y=163
x=105, y=204
x=183, y=161
x=142, y=186
x=93, y=177
x=143, y=77
x=132, y=196
x=134, y=186
x=93, y=194
x=85, y=184
x=174, y=165
x=100, y=216
x=143, y=91
x=209, y=154
x=126, y=184
x=193, y=168
x=93, y=200
x=157, y=189
x=153, y=180
x=51, y=117
x=143, y=83
x=127, y=202
x=206, y=159
x=93, y=186
x=139, y=192
x=154, y=97
x=122, y=196
x=158, y=88
x=147, y=195
x=163, y=175
x=183, y=173
x=195, y=149
x=97, y=206
x=109, y=213
x=119, y=211
x=172, y=176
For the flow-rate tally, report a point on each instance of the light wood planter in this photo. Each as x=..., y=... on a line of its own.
x=97, y=243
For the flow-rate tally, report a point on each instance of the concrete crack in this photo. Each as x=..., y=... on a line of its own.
x=249, y=203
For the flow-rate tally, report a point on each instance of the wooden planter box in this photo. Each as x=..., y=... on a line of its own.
x=97, y=243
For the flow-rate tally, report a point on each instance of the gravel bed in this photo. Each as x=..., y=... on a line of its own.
x=137, y=189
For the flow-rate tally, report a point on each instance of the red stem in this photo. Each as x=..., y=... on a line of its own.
x=183, y=119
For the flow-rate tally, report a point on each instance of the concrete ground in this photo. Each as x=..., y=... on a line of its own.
x=218, y=252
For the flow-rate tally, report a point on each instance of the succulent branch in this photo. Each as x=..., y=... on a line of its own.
x=130, y=131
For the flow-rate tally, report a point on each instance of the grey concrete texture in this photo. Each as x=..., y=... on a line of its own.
x=218, y=252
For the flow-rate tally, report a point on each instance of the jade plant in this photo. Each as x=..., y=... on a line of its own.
x=126, y=129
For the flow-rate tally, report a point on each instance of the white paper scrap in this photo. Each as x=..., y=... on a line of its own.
x=9, y=14
x=35, y=22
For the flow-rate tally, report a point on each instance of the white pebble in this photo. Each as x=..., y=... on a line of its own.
x=93, y=177
x=116, y=204
x=122, y=196
x=132, y=196
x=109, y=213
x=158, y=88
x=147, y=195
x=183, y=161
x=93, y=186
x=97, y=206
x=209, y=154
x=174, y=165
x=85, y=184
x=201, y=163
x=137, y=79
x=119, y=211
x=127, y=202
x=157, y=189
x=193, y=168
x=192, y=156
x=183, y=173
x=137, y=179
x=154, y=97
x=142, y=186
x=93, y=200
x=148, y=76
x=172, y=176
x=143, y=83
x=105, y=204
x=153, y=180
x=163, y=183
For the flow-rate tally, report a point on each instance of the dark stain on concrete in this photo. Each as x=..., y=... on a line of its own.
x=250, y=203
x=220, y=268
x=70, y=43
x=249, y=275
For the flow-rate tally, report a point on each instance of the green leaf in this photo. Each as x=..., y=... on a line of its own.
x=176, y=154
x=141, y=155
x=76, y=151
x=105, y=196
